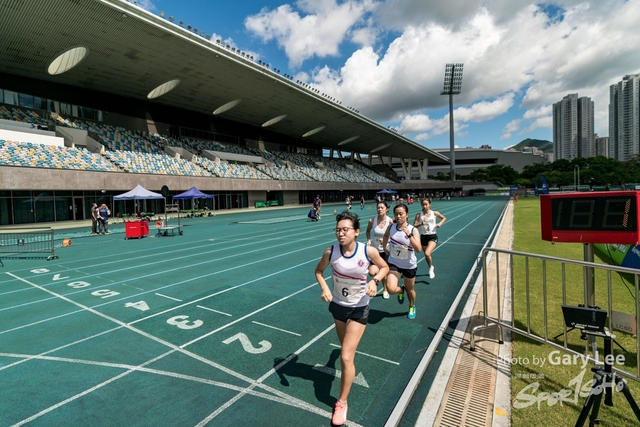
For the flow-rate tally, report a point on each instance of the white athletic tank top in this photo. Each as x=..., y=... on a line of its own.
x=378, y=233
x=349, y=276
x=401, y=253
x=427, y=223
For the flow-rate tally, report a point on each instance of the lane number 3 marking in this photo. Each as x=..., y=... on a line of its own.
x=182, y=322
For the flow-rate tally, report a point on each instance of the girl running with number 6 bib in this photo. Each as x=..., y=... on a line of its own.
x=404, y=242
x=349, y=296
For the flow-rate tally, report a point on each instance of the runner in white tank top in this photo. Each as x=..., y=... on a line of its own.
x=349, y=276
x=349, y=298
x=404, y=242
x=378, y=225
x=426, y=222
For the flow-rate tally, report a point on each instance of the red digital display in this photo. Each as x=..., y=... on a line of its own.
x=596, y=217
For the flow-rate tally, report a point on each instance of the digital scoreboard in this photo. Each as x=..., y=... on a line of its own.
x=595, y=217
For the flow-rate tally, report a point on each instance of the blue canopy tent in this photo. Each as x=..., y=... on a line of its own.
x=385, y=191
x=191, y=194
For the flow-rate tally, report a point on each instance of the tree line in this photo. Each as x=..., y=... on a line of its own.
x=593, y=171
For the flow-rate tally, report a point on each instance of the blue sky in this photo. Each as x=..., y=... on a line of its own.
x=387, y=57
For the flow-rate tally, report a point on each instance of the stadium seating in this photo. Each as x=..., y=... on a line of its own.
x=143, y=152
x=15, y=153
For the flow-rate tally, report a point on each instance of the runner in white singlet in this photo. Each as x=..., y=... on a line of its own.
x=404, y=242
x=427, y=225
x=378, y=225
x=349, y=296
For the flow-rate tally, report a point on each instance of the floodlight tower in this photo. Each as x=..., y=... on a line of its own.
x=452, y=86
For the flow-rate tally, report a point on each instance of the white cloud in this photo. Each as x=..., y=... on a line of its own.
x=365, y=36
x=485, y=110
x=510, y=128
x=147, y=5
x=542, y=111
x=514, y=51
x=478, y=112
x=318, y=32
x=541, y=122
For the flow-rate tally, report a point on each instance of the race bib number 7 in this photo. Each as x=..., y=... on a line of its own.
x=399, y=252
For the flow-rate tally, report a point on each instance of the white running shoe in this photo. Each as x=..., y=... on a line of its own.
x=432, y=275
x=385, y=295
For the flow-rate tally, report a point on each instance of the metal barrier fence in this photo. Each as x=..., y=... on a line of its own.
x=26, y=243
x=538, y=286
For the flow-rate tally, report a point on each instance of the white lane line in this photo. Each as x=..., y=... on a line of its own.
x=129, y=367
x=174, y=248
x=277, y=329
x=215, y=311
x=172, y=252
x=29, y=357
x=219, y=292
x=189, y=266
x=163, y=287
x=286, y=399
x=28, y=325
x=87, y=391
x=168, y=297
x=215, y=331
x=393, y=362
x=296, y=402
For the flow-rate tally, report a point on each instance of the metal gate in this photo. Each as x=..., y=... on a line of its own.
x=22, y=243
x=547, y=284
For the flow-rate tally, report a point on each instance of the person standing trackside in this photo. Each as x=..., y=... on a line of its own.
x=94, y=219
x=404, y=242
x=317, y=203
x=349, y=297
x=379, y=224
x=427, y=226
x=103, y=215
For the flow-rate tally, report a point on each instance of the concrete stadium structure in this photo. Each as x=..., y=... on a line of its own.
x=113, y=62
x=468, y=160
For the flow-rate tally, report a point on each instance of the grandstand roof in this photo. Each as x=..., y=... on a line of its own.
x=132, y=51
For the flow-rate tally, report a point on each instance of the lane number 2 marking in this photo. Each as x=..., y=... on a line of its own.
x=246, y=344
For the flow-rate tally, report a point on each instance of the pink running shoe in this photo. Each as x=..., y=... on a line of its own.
x=339, y=414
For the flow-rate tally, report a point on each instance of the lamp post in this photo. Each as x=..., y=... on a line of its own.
x=452, y=86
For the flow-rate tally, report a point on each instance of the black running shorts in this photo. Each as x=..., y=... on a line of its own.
x=342, y=313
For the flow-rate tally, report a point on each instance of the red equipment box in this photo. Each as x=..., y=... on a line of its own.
x=136, y=229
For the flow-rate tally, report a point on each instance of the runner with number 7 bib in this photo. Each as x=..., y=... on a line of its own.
x=404, y=241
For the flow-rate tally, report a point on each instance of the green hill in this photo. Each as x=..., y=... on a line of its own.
x=543, y=145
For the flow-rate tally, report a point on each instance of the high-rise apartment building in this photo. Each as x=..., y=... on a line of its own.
x=602, y=145
x=624, y=114
x=573, y=128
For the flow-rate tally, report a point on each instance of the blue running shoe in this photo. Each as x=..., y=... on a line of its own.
x=412, y=312
x=401, y=296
